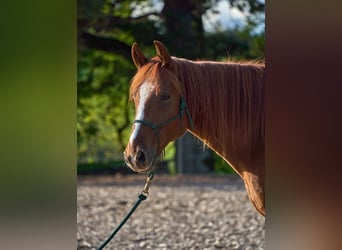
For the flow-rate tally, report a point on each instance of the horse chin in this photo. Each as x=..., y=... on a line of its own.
x=139, y=169
x=143, y=170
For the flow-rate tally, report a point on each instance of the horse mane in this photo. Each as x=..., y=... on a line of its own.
x=225, y=99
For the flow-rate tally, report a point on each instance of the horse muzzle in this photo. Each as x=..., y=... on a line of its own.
x=138, y=160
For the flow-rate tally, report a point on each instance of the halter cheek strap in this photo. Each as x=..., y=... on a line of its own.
x=182, y=107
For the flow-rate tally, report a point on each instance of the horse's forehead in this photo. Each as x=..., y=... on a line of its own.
x=146, y=89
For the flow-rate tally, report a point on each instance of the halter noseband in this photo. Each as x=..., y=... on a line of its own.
x=182, y=107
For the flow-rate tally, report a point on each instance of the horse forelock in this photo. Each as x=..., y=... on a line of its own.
x=154, y=73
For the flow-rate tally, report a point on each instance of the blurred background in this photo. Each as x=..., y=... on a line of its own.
x=193, y=29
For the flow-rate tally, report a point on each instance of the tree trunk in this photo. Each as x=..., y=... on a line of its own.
x=183, y=21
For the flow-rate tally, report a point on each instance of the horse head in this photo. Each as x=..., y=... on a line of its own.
x=161, y=114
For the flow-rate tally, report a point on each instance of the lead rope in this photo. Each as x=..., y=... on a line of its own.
x=142, y=196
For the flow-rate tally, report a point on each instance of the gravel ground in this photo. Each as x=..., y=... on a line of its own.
x=183, y=212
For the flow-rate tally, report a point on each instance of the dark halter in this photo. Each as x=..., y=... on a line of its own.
x=182, y=107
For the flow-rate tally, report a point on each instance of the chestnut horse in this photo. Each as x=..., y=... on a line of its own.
x=221, y=103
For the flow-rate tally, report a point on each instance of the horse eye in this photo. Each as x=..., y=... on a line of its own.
x=165, y=97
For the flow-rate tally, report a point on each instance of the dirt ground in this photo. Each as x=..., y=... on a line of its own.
x=181, y=212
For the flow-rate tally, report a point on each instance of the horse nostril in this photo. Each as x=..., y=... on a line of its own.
x=140, y=158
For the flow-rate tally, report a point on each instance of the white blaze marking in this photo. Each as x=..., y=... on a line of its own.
x=144, y=91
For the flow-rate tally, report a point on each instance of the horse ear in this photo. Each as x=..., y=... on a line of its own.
x=162, y=53
x=138, y=58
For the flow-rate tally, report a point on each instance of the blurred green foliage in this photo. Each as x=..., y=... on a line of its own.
x=103, y=112
x=220, y=166
x=107, y=29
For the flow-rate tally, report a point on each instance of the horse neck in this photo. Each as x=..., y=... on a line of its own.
x=214, y=123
